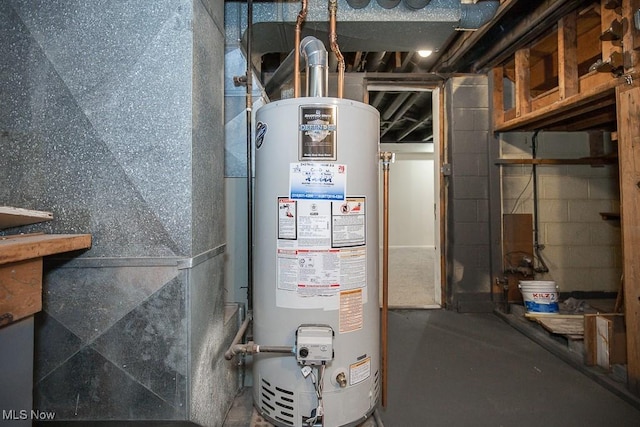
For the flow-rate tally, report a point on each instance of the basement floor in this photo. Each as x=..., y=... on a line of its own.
x=451, y=369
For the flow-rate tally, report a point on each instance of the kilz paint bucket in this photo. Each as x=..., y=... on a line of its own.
x=539, y=296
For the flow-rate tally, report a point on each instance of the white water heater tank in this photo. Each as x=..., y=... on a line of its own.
x=316, y=262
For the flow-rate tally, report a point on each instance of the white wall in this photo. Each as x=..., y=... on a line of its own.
x=411, y=197
x=582, y=251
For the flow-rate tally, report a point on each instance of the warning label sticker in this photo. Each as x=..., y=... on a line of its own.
x=351, y=311
x=348, y=222
x=360, y=371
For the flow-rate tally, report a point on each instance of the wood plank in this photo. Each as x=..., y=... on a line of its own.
x=498, y=96
x=610, y=341
x=34, y=246
x=563, y=326
x=629, y=167
x=16, y=217
x=568, y=55
x=586, y=82
x=20, y=290
x=523, y=82
x=517, y=243
x=590, y=347
x=631, y=37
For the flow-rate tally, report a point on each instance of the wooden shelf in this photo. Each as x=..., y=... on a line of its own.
x=21, y=248
x=16, y=217
x=21, y=270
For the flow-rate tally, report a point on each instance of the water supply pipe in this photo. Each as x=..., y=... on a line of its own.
x=386, y=158
x=316, y=59
x=333, y=39
x=302, y=15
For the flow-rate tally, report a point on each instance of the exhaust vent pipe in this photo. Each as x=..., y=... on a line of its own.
x=474, y=16
x=317, y=67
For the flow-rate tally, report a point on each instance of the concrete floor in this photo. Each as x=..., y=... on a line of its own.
x=451, y=369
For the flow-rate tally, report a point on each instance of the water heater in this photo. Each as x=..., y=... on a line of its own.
x=316, y=261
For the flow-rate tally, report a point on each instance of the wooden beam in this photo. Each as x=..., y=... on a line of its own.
x=568, y=55
x=607, y=16
x=536, y=24
x=30, y=246
x=498, y=96
x=631, y=37
x=523, y=82
x=588, y=100
x=628, y=98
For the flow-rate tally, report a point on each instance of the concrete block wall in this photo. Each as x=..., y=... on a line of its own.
x=469, y=235
x=582, y=251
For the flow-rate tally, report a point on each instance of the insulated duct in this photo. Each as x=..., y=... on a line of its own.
x=358, y=4
x=416, y=4
x=388, y=4
x=474, y=16
x=317, y=68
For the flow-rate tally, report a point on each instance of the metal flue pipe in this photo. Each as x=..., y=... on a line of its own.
x=316, y=58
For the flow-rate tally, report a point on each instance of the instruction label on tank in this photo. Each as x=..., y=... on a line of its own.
x=351, y=311
x=287, y=219
x=317, y=132
x=317, y=181
x=312, y=270
x=348, y=222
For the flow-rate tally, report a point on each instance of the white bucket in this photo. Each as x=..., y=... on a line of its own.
x=539, y=296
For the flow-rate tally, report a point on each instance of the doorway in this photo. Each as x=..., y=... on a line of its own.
x=414, y=220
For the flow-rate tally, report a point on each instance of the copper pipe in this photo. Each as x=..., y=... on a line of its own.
x=333, y=39
x=302, y=15
x=386, y=158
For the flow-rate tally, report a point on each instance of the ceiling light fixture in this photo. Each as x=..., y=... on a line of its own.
x=424, y=53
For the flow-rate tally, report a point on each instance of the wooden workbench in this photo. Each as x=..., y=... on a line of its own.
x=21, y=270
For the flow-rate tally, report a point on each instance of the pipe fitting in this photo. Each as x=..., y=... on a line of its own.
x=341, y=379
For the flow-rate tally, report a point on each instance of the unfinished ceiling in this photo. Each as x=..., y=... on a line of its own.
x=382, y=37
